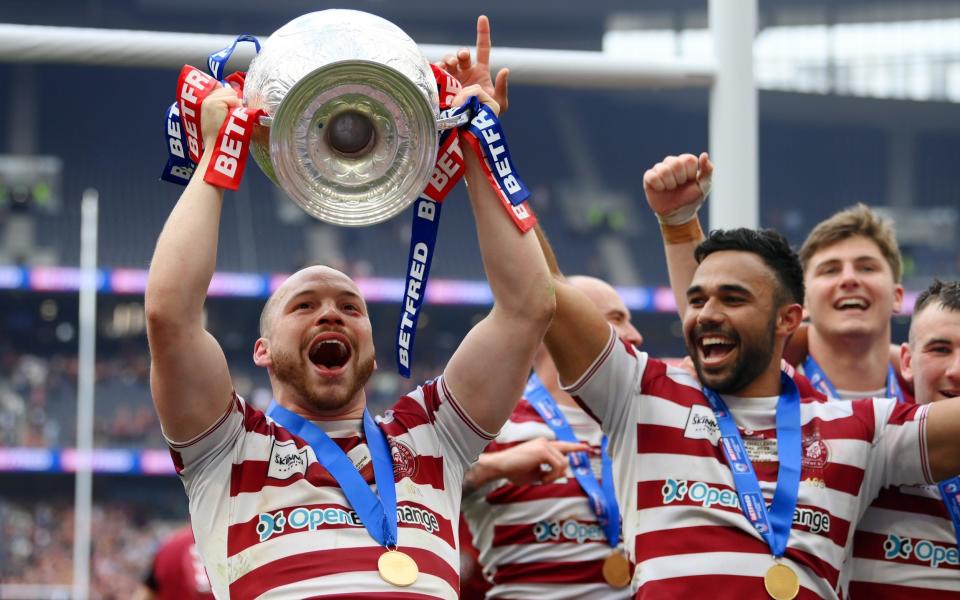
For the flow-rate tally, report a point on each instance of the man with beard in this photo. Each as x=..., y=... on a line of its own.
x=316, y=498
x=906, y=543
x=540, y=501
x=697, y=460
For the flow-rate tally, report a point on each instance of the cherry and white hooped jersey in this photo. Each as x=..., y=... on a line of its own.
x=684, y=528
x=905, y=547
x=541, y=541
x=271, y=522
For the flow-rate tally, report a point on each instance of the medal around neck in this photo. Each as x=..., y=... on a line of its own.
x=351, y=132
x=616, y=570
x=397, y=568
x=781, y=582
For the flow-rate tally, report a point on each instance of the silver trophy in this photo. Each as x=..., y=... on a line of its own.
x=351, y=125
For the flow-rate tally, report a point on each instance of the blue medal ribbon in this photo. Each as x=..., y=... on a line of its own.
x=601, y=495
x=485, y=126
x=774, y=524
x=423, y=238
x=950, y=492
x=377, y=511
x=218, y=60
x=819, y=380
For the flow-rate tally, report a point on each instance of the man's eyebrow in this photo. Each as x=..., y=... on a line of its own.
x=735, y=288
x=934, y=341
x=694, y=289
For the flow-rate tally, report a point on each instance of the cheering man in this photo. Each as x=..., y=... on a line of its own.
x=906, y=543
x=283, y=504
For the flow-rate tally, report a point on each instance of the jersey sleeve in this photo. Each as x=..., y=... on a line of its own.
x=900, y=452
x=459, y=437
x=607, y=390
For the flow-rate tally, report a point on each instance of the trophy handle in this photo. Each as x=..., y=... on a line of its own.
x=449, y=122
x=266, y=120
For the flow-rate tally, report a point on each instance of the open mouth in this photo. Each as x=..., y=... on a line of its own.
x=950, y=393
x=714, y=349
x=851, y=304
x=330, y=352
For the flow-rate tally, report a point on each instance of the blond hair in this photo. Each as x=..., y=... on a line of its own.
x=856, y=220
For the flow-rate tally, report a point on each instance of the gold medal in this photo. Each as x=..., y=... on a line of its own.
x=397, y=568
x=781, y=582
x=616, y=570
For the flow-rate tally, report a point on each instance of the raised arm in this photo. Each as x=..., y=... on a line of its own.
x=675, y=188
x=488, y=371
x=943, y=438
x=189, y=379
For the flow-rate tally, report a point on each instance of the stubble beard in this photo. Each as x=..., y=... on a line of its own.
x=291, y=370
x=751, y=362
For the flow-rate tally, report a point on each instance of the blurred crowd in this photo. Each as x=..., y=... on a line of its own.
x=37, y=545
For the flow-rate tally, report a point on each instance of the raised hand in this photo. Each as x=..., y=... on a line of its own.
x=470, y=73
x=214, y=110
x=677, y=186
x=475, y=90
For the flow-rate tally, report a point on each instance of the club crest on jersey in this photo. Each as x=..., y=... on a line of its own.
x=404, y=463
x=815, y=454
x=286, y=460
x=701, y=424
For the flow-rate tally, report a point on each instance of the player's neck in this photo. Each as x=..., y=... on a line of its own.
x=350, y=411
x=855, y=363
x=547, y=372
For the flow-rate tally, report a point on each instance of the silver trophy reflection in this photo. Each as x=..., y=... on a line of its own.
x=352, y=125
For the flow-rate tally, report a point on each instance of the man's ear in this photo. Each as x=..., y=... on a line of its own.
x=897, y=298
x=906, y=362
x=789, y=318
x=261, y=353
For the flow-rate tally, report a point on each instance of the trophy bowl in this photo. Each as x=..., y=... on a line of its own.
x=351, y=103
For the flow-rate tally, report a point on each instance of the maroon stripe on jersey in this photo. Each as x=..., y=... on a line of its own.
x=885, y=591
x=894, y=499
x=509, y=493
x=597, y=363
x=659, y=439
x=508, y=535
x=699, y=586
x=714, y=538
x=656, y=382
x=524, y=412
x=873, y=546
x=407, y=414
x=177, y=461
x=467, y=420
x=652, y=494
x=309, y=565
x=427, y=470
x=242, y=536
x=904, y=413
x=588, y=571
x=250, y=476
x=445, y=531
